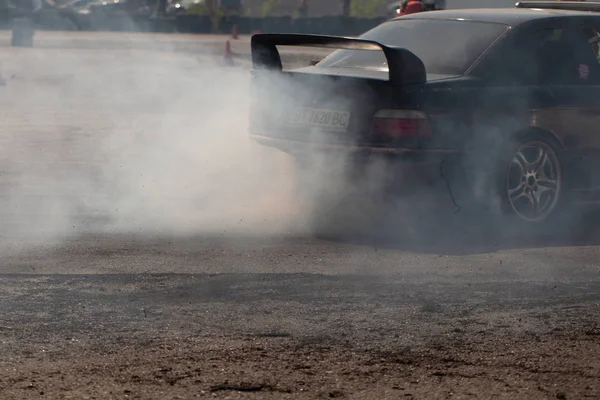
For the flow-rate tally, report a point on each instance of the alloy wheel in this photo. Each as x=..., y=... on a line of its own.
x=534, y=181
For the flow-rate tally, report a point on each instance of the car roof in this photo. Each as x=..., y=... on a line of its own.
x=507, y=16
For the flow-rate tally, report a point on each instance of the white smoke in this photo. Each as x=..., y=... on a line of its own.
x=157, y=142
x=138, y=141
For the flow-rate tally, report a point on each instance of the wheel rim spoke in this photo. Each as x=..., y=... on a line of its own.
x=521, y=161
x=535, y=202
x=516, y=193
x=545, y=185
x=540, y=161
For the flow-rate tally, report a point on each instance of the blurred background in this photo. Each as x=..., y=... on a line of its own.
x=341, y=17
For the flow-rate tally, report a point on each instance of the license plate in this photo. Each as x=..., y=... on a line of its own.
x=330, y=120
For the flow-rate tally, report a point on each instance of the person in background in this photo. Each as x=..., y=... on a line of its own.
x=411, y=7
x=303, y=9
x=346, y=8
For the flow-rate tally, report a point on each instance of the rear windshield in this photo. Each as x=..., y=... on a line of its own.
x=445, y=47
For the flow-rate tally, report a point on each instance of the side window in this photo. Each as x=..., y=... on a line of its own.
x=513, y=62
x=555, y=56
x=527, y=61
x=567, y=58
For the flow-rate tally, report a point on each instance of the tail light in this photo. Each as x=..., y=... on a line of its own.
x=400, y=124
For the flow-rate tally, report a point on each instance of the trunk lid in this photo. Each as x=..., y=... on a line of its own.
x=317, y=104
x=315, y=107
x=326, y=105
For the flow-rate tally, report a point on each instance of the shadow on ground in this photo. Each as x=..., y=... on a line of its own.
x=471, y=234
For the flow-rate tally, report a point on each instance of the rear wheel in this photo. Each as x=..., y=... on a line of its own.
x=533, y=182
x=531, y=189
x=516, y=192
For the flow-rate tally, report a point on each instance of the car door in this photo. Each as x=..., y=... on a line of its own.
x=569, y=98
x=588, y=143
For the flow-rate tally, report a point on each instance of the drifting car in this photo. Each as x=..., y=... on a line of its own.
x=499, y=108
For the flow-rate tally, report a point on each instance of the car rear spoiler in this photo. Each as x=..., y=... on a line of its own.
x=405, y=68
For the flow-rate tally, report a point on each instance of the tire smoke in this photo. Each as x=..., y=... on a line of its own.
x=134, y=141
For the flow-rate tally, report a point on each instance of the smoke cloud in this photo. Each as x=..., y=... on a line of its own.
x=156, y=142
x=134, y=141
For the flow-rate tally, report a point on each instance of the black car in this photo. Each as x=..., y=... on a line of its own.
x=483, y=107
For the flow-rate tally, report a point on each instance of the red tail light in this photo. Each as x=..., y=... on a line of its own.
x=400, y=124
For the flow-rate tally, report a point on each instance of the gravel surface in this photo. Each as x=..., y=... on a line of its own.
x=149, y=251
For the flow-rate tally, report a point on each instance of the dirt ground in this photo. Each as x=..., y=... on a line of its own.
x=312, y=325
x=238, y=302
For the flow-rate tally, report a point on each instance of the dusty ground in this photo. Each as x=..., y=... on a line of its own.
x=175, y=301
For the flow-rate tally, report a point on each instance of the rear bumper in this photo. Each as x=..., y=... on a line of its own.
x=299, y=147
x=408, y=172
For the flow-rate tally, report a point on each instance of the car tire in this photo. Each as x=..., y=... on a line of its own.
x=530, y=181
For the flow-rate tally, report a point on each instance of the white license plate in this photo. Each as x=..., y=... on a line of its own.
x=330, y=120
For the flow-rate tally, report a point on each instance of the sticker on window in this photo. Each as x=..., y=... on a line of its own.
x=584, y=71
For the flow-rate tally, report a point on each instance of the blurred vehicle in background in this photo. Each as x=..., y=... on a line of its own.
x=130, y=7
x=176, y=7
x=81, y=6
x=10, y=9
